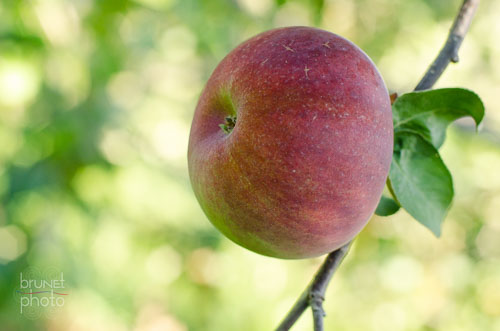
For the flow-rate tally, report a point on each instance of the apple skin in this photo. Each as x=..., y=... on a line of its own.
x=303, y=169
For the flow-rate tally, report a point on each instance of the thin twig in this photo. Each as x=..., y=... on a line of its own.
x=314, y=294
x=320, y=283
x=449, y=52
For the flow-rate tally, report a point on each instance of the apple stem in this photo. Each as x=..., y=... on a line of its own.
x=314, y=294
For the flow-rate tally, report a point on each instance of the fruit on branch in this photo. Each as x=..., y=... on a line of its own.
x=291, y=143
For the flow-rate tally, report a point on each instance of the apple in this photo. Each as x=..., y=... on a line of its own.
x=291, y=143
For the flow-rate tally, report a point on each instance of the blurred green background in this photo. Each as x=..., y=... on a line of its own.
x=96, y=99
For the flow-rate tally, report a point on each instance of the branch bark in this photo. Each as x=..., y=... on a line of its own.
x=314, y=294
x=449, y=52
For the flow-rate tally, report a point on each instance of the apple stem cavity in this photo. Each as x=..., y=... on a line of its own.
x=314, y=294
x=228, y=126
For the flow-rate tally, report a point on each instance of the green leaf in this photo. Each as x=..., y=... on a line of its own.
x=428, y=113
x=420, y=180
x=386, y=207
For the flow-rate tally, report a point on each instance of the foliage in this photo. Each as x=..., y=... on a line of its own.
x=419, y=179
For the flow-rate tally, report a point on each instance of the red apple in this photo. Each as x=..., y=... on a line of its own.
x=291, y=143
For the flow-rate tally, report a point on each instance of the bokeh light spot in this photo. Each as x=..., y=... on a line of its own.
x=163, y=265
x=12, y=243
x=19, y=82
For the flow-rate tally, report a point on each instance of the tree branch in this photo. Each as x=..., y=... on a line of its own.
x=449, y=52
x=314, y=294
